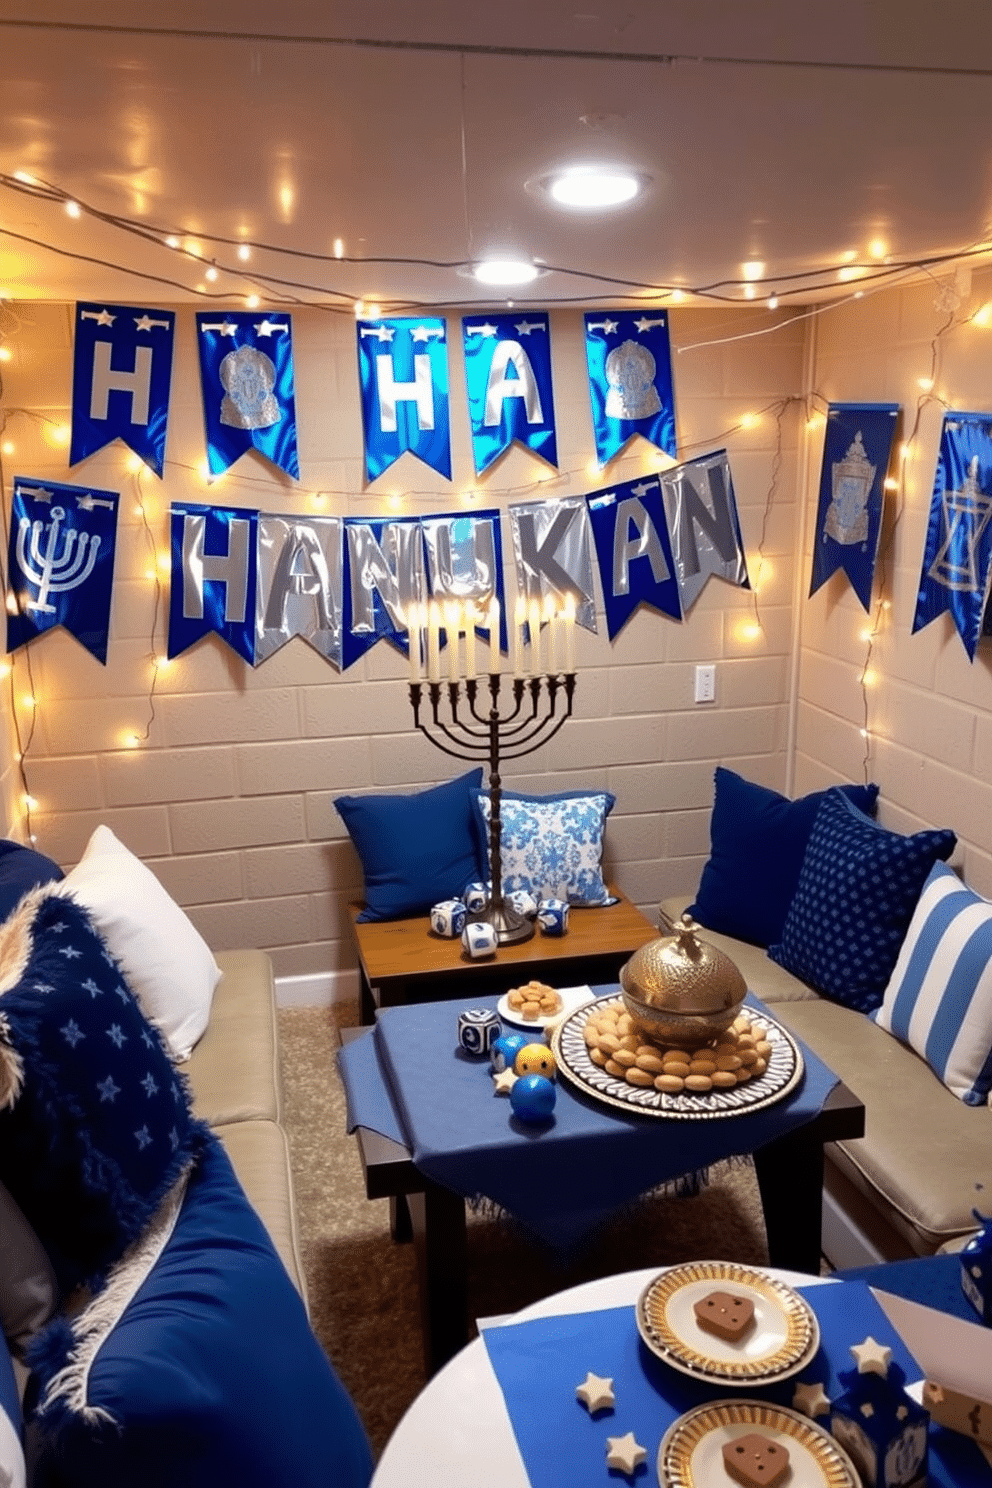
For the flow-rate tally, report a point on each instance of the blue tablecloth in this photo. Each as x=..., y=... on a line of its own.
x=935, y=1281
x=538, y=1365
x=408, y=1079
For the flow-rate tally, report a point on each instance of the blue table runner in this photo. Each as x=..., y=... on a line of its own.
x=408, y=1079
x=538, y=1365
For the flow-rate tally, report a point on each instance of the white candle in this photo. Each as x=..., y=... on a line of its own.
x=470, y=619
x=433, y=641
x=519, y=619
x=569, y=631
x=553, y=619
x=494, y=654
x=413, y=640
x=452, y=625
x=535, y=637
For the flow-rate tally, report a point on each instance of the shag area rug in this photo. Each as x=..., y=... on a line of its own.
x=363, y=1287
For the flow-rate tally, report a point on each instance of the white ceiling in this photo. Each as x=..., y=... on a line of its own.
x=771, y=131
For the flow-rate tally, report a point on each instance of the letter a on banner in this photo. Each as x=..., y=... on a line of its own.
x=213, y=578
x=121, y=373
x=630, y=380
x=508, y=375
x=957, y=560
x=703, y=525
x=249, y=400
x=403, y=371
x=61, y=563
x=635, y=555
x=300, y=569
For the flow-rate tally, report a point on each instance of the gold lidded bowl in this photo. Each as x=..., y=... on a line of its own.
x=681, y=990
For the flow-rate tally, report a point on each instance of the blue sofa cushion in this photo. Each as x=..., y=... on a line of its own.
x=415, y=849
x=854, y=902
x=195, y=1367
x=95, y=1121
x=757, y=844
x=551, y=846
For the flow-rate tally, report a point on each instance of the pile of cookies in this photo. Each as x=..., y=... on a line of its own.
x=740, y=1054
x=536, y=1000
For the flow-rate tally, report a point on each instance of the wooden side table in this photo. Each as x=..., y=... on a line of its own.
x=401, y=961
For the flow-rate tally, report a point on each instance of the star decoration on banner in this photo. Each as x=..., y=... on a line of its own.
x=145, y=323
x=226, y=327
x=486, y=330
x=641, y=491
x=504, y=1082
x=269, y=327
x=872, y=1357
x=812, y=1400
x=102, y=318
x=381, y=333
x=524, y=327
x=609, y=326
x=596, y=1393
x=643, y=324
x=424, y=333
x=624, y=1453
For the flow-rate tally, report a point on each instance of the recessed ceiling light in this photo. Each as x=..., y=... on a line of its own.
x=590, y=189
x=505, y=271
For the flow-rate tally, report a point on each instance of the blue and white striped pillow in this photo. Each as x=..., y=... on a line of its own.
x=939, y=998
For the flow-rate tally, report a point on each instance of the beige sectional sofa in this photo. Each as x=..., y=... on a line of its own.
x=909, y=1185
x=236, y=1084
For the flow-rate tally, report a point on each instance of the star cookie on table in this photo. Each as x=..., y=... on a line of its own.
x=624, y=1453
x=812, y=1400
x=504, y=1082
x=872, y=1357
x=596, y=1393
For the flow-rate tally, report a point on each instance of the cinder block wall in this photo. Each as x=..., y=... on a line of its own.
x=229, y=794
x=927, y=710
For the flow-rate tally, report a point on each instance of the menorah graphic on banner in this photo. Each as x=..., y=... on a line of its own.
x=50, y=573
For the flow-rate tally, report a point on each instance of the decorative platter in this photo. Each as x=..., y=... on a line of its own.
x=691, y=1451
x=571, y=998
x=781, y=1341
x=784, y=1071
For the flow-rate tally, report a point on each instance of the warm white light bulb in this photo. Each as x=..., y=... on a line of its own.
x=211, y=274
x=339, y=247
x=73, y=209
x=591, y=189
x=244, y=253
x=505, y=271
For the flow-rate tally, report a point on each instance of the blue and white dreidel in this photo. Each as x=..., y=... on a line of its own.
x=524, y=903
x=976, y=1269
x=532, y=1099
x=552, y=916
x=449, y=918
x=478, y=1030
x=479, y=939
x=476, y=896
x=505, y=1049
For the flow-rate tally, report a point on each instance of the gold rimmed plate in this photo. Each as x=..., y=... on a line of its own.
x=784, y=1072
x=691, y=1451
x=782, y=1339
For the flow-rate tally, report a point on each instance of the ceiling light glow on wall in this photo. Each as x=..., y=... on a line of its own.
x=504, y=271
x=592, y=190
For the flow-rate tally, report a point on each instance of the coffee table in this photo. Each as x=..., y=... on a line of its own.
x=402, y=961
x=790, y=1179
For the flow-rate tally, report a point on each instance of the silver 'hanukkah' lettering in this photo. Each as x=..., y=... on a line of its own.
x=54, y=574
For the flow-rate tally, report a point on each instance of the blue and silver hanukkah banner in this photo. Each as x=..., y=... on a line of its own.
x=856, y=452
x=508, y=376
x=121, y=373
x=630, y=380
x=403, y=371
x=249, y=398
x=465, y=563
x=299, y=588
x=384, y=575
x=703, y=525
x=636, y=566
x=957, y=559
x=552, y=549
x=213, y=577
x=60, y=563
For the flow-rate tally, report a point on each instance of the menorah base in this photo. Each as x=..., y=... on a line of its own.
x=510, y=927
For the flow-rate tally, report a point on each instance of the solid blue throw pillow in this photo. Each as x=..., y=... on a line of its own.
x=758, y=841
x=95, y=1120
x=854, y=902
x=21, y=869
x=416, y=849
x=196, y=1367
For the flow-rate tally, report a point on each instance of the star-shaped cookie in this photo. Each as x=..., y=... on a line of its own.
x=504, y=1082
x=812, y=1400
x=872, y=1357
x=596, y=1393
x=624, y=1453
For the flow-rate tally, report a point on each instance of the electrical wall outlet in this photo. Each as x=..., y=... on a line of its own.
x=706, y=684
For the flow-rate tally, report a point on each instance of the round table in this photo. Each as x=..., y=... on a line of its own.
x=457, y=1431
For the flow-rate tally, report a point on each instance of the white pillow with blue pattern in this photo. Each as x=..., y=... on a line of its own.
x=552, y=846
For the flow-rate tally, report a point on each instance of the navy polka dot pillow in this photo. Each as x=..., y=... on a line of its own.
x=854, y=900
x=95, y=1120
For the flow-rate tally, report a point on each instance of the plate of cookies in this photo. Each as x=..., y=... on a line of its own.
x=754, y=1063
x=738, y=1325
x=536, y=1005
x=751, y=1443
